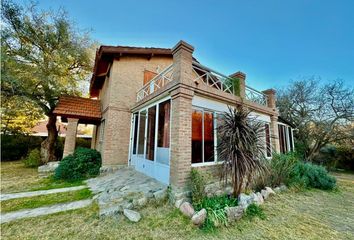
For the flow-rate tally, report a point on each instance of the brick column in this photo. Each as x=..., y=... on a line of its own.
x=182, y=63
x=274, y=119
x=181, y=116
x=70, y=138
x=94, y=136
x=181, y=137
x=242, y=78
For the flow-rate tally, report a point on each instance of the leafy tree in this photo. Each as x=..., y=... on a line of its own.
x=43, y=57
x=241, y=147
x=18, y=116
x=322, y=114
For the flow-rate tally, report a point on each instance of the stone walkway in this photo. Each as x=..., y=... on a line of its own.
x=27, y=213
x=9, y=196
x=125, y=189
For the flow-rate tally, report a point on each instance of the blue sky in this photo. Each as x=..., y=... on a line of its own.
x=272, y=41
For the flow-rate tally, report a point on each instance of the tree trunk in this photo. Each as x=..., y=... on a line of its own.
x=48, y=145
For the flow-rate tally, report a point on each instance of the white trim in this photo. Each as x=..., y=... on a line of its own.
x=206, y=164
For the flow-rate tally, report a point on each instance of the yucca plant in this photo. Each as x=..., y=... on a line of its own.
x=241, y=147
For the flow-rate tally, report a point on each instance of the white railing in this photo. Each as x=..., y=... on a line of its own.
x=213, y=78
x=223, y=83
x=156, y=83
x=256, y=96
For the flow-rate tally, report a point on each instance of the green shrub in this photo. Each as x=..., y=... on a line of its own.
x=197, y=186
x=33, y=159
x=311, y=175
x=215, y=207
x=253, y=210
x=84, y=163
x=277, y=171
x=15, y=147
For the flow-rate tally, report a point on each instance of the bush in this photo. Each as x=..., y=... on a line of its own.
x=33, y=159
x=311, y=175
x=83, y=164
x=254, y=210
x=197, y=186
x=215, y=207
x=278, y=171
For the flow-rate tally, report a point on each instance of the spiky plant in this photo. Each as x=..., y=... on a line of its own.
x=241, y=147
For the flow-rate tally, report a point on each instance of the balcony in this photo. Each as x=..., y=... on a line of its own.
x=207, y=76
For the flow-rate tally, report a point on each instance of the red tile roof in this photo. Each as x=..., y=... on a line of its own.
x=85, y=109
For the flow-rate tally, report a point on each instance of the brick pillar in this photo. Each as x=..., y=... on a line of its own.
x=242, y=78
x=271, y=98
x=181, y=137
x=182, y=62
x=94, y=136
x=274, y=133
x=70, y=138
x=274, y=119
x=181, y=115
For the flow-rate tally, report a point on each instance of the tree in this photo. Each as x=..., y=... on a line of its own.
x=322, y=114
x=240, y=147
x=43, y=57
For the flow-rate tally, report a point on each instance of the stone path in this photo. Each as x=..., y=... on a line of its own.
x=27, y=213
x=125, y=189
x=38, y=193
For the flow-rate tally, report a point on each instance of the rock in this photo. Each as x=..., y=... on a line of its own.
x=270, y=191
x=140, y=201
x=234, y=213
x=277, y=190
x=160, y=195
x=133, y=216
x=265, y=194
x=283, y=188
x=187, y=209
x=124, y=188
x=260, y=199
x=199, y=217
x=48, y=168
x=179, y=202
x=244, y=200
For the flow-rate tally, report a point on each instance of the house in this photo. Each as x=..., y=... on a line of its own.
x=157, y=109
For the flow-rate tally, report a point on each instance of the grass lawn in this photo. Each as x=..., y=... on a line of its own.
x=44, y=200
x=15, y=177
x=312, y=214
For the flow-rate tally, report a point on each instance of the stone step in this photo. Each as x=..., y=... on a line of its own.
x=9, y=196
x=41, y=211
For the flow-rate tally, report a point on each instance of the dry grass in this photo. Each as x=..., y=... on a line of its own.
x=15, y=177
x=312, y=214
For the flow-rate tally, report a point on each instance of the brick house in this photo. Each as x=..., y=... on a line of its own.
x=156, y=109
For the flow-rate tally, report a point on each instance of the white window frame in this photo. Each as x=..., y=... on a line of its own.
x=265, y=142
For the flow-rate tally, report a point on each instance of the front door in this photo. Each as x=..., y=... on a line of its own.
x=150, y=146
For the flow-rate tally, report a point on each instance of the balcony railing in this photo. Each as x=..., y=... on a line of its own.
x=222, y=82
x=156, y=83
x=208, y=76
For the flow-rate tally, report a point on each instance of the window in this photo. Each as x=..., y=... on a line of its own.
x=267, y=140
x=197, y=138
x=163, y=133
x=136, y=118
x=203, y=136
x=141, y=137
x=150, y=136
x=285, y=138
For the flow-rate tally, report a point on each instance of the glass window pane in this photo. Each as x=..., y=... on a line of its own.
x=163, y=134
x=142, y=118
x=268, y=146
x=208, y=137
x=291, y=138
x=136, y=117
x=197, y=136
x=281, y=138
x=150, y=136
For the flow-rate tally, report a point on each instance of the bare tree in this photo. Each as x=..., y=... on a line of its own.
x=322, y=114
